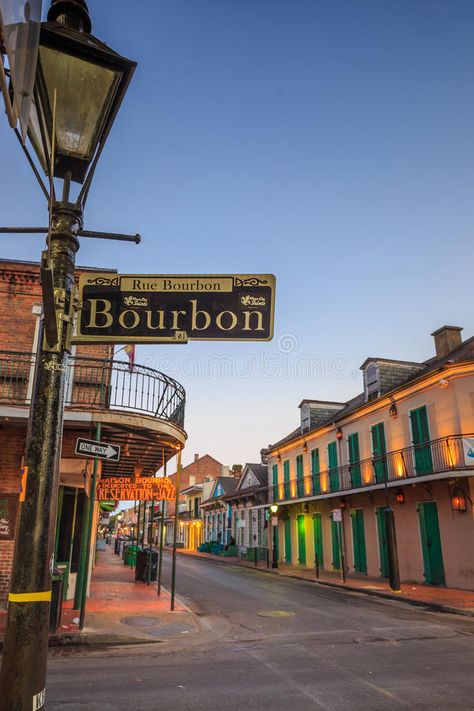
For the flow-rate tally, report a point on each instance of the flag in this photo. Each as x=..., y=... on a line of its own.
x=130, y=351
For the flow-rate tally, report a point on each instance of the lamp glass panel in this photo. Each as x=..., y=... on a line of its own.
x=84, y=92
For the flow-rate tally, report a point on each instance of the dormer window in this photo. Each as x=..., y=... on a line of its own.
x=372, y=382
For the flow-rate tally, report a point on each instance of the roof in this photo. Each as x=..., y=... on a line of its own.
x=260, y=472
x=28, y=263
x=228, y=484
x=190, y=489
x=462, y=354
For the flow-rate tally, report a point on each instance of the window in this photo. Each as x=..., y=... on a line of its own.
x=286, y=478
x=372, y=384
x=299, y=475
x=275, y=481
x=354, y=459
x=333, y=466
x=315, y=470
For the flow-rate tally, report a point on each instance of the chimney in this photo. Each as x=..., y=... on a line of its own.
x=196, y=457
x=446, y=339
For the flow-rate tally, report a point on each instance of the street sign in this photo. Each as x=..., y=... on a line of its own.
x=144, y=488
x=274, y=520
x=336, y=515
x=101, y=450
x=128, y=308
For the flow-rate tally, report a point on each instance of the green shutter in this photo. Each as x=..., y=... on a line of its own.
x=301, y=524
x=358, y=539
x=379, y=451
x=315, y=471
x=300, y=475
x=318, y=538
x=275, y=481
x=354, y=460
x=336, y=544
x=333, y=466
x=286, y=478
x=287, y=540
x=431, y=543
x=421, y=435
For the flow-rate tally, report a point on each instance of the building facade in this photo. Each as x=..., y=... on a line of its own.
x=138, y=408
x=406, y=442
x=202, y=469
x=217, y=511
x=248, y=511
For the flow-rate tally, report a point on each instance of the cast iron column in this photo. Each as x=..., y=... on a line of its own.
x=23, y=671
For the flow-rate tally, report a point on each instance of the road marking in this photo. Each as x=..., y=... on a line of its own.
x=386, y=693
x=283, y=675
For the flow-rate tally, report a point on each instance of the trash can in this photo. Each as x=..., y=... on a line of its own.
x=56, y=600
x=145, y=559
x=130, y=554
x=117, y=546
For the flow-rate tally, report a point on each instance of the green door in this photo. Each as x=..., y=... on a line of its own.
x=358, y=538
x=286, y=478
x=287, y=541
x=382, y=535
x=336, y=544
x=333, y=470
x=299, y=475
x=379, y=451
x=354, y=459
x=301, y=539
x=315, y=470
x=318, y=538
x=431, y=543
x=421, y=436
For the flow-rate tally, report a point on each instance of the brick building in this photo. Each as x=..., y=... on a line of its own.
x=139, y=408
x=200, y=470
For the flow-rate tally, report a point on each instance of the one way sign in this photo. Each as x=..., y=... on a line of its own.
x=102, y=450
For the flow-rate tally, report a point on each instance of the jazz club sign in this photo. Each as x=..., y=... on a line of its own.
x=172, y=308
x=122, y=488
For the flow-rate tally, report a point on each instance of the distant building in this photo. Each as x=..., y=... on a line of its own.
x=407, y=441
x=202, y=469
x=248, y=507
x=217, y=512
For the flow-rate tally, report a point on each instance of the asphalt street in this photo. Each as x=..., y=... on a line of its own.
x=267, y=642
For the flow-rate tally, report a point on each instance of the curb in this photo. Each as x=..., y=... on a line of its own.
x=434, y=606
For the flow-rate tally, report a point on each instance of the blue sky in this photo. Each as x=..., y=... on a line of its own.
x=329, y=142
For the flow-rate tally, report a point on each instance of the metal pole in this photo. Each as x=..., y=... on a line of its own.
x=86, y=540
x=23, y=670
x=160, y=559
x=275, y=546
x=133, y=533
x=316, y=564
x=150, y=540
x=343, y=553
x=173, y=565
x=392, y=554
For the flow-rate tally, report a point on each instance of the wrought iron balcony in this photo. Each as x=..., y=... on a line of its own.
x=98, y=384
x=444, y=455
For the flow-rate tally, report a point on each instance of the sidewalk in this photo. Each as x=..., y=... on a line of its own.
x=442, y=599
x=120, y=610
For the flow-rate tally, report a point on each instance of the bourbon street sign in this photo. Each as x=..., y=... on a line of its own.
x=129, y=308
x=144, y=488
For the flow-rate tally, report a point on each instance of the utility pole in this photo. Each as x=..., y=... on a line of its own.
x=175, y=532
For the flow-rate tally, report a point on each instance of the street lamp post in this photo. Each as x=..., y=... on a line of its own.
x=274, y=509
x=79, y=86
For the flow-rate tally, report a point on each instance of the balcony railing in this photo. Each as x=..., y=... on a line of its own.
x=97, y=384
x=433, y=457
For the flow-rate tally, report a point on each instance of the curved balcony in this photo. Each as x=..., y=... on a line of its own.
x=134, y=402
x=429, y=460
